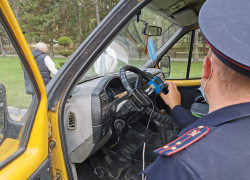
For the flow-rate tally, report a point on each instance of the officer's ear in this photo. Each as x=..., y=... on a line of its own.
x=206, y=67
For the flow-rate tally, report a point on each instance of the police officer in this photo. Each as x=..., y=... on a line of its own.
x=217, y=145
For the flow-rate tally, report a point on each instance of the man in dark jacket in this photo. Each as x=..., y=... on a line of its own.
x=215, y=146
x=45, y=65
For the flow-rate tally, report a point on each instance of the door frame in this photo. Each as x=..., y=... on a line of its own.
x=33, y=149
x=63, y=83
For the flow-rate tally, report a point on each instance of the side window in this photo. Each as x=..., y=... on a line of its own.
x=179, y=57
x=200, y=50
x=17, y=95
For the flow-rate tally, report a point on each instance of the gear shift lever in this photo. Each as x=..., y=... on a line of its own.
x=163, y=129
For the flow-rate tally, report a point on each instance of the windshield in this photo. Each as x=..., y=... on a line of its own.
x=129, y=46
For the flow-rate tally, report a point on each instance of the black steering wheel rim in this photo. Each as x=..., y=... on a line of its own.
x=124, y=79
x=138, y=98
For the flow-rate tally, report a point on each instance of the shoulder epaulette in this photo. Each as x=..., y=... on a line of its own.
x=184, y=141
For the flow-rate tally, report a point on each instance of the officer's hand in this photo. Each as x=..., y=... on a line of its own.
x=173, y=97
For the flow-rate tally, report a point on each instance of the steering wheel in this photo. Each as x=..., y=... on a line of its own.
x=138, y=99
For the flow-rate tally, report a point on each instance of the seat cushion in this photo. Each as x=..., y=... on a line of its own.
x=200, y=109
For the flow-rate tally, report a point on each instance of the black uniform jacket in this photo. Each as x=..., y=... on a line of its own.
x=223, y=153
x=183, y=117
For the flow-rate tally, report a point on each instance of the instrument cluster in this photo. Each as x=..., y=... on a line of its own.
x=110, y=93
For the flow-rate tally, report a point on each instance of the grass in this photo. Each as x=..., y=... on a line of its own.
x=179, y=70
x=196, y=70
x=11, y=75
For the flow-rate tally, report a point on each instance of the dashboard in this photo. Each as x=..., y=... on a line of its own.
x=91, y=110
x=110, y=93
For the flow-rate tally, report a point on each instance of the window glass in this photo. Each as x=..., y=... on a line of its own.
x=179, y=57
x=153, y=19
x=200, y=50
x=129, y=46
x=17, y=98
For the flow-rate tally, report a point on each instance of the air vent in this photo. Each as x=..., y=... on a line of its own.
x=104, y=104
x=71, y=120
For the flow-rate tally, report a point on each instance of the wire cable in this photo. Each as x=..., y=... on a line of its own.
x=144, y=144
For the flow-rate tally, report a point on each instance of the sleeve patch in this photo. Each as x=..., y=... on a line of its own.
x=184, y=141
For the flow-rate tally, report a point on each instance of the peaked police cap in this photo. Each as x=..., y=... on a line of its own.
x=225, y=25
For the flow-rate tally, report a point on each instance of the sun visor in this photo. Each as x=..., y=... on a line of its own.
x=185, y=17
x=180, y=12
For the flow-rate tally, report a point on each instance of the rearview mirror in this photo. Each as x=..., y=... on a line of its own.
x=165, y=66
x=151, y=30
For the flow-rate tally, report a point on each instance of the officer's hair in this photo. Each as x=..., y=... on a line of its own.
x=232, y=82
x=41, y=46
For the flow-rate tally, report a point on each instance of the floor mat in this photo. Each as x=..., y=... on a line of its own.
x=112, y=166
x=85, y=172
x=150, y=156
x=124, y=160
x=131, y=173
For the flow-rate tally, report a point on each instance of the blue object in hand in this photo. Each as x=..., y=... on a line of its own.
x=157, y=84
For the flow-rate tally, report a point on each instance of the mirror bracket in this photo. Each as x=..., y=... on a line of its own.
x=138, y=16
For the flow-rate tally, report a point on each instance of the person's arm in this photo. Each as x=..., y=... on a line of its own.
x=50, y=65
x=183, y=117
x=173, y=99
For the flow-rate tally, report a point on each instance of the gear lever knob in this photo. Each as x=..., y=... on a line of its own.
x=162, y=111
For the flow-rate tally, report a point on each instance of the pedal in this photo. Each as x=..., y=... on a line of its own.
x=98, y=171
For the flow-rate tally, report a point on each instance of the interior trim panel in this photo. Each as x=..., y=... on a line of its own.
x=186, y=82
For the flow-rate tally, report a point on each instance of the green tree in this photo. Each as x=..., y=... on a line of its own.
x=50, y=19
x=65, y=42
x=196, y=46
x=39, y=20
x=15, y=5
